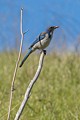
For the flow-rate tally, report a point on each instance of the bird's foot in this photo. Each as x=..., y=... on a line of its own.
x=44, y=52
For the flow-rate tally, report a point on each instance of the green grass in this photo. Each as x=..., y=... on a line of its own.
x=56, y=94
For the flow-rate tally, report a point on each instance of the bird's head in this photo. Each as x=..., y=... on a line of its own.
x=52, y=28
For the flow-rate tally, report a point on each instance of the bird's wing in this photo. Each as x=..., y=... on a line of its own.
x=39, y=38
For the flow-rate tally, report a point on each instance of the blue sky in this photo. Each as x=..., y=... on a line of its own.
x=37, y=16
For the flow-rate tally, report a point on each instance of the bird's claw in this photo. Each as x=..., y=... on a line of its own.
x=44, y=52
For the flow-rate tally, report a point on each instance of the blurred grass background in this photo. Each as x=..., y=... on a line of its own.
x=56, y=94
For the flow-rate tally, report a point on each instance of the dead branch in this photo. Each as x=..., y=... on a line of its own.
x=32, y=82
x=16, y=67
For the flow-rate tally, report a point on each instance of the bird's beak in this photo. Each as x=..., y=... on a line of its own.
x=56, y=27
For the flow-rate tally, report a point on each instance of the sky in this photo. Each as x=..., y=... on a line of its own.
x=38, y=15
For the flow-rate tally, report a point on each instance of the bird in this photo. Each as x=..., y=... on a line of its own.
x=41, y=42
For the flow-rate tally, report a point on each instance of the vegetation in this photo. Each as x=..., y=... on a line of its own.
x=55, y=96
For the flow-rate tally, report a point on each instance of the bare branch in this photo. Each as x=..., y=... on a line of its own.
x=16, y=67
x=27, y=93
x=21, y=22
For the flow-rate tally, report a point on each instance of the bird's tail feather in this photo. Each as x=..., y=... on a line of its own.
x=29, y=52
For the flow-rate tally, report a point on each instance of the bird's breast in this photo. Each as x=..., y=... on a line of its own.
x=42, y=43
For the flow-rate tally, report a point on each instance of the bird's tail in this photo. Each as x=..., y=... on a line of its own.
x=29, y=52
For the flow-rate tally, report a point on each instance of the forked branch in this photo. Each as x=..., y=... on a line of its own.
x=16, y=67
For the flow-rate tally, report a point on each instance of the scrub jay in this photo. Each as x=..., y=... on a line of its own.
x=41, y=42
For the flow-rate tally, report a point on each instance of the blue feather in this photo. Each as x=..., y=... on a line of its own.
x=39, y=38
x=29, y=52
